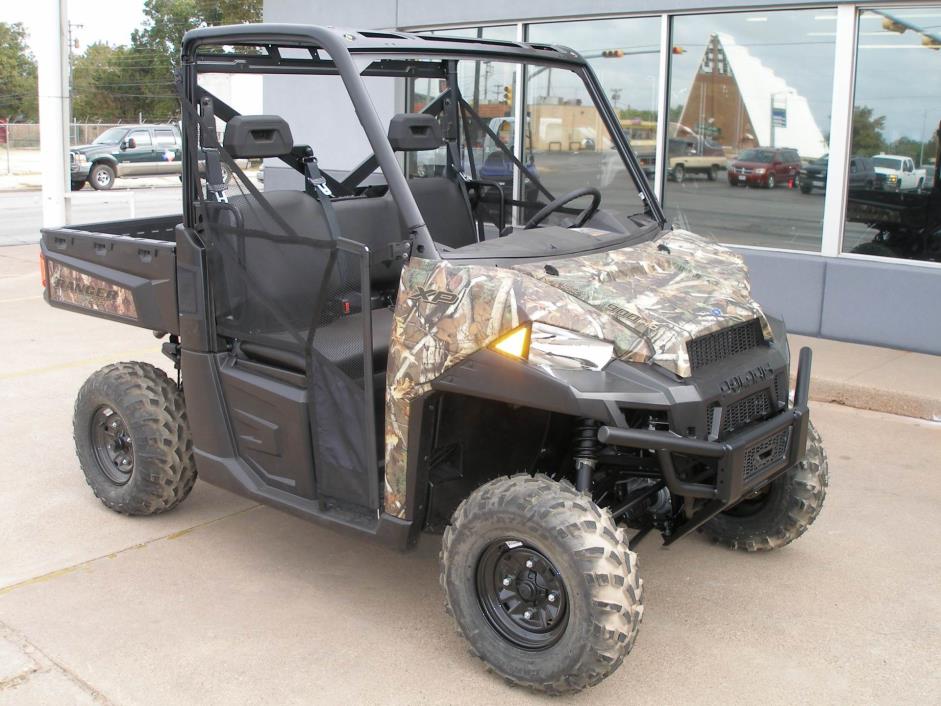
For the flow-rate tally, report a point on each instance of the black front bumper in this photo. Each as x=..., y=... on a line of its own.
x=744, y=462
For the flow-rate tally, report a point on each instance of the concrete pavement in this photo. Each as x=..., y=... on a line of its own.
x=223, y=601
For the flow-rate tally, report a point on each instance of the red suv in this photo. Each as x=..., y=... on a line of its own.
x=765, y=166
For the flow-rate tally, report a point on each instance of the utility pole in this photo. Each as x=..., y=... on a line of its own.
x=53, y=110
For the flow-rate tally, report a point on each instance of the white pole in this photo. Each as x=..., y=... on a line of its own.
x=50, y=42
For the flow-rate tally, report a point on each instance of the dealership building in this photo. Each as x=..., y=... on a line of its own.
x=804, y=135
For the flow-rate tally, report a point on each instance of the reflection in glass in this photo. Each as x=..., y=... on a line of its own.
x=893, y=204
x=567, y=139
x=749, y=110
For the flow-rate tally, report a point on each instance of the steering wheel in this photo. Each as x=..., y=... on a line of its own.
x=557, y=203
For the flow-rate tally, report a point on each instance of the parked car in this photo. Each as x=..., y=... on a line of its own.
x=688, y=155
x=898, y=173
x=862, y=174
x=765, y=166
x=130, y=151
x=695, y=156
x=126, y=151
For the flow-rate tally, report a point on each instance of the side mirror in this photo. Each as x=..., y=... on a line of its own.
x=131, y=144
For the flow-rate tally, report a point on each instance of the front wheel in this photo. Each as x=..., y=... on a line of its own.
x=132, y=439
x=78, y=185
x=101, y=177
x=713, y=173
x=679, y=173
x=781, y=511
x=541, y=583
x=771, y=182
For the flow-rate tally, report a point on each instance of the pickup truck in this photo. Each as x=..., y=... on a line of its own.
x=130, y=151
x=126, y=151
x=898, y=173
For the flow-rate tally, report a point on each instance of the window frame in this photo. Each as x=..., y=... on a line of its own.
x=841, y=103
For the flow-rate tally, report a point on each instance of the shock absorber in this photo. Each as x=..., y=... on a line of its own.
x=585, y=447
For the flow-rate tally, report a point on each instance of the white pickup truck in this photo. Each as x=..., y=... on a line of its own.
x=898, y=173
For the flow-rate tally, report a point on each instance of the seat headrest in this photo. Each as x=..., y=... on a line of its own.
x=414, y=132
x=252, y=136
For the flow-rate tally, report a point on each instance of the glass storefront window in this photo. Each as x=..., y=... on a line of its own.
x=565, y=141
x=893, y=201
x=750, y=111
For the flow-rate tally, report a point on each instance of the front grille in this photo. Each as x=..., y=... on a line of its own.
x=724, y=343
x=741, y=413
x=766, y=453
x=742, y=170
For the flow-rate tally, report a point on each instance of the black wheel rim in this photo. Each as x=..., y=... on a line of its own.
x=751, y=504
x=114, y=449
x=522, y=594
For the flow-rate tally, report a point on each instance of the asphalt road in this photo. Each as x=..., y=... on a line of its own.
x=223, y=601
x=22, y=210
x=779, y=218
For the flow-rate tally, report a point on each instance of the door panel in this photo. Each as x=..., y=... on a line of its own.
x=140, y=158
x=270, y=424
x=168, y=152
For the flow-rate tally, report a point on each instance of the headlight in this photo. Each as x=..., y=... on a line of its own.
x=553, y=347
x=80, y=158
x=760, y=171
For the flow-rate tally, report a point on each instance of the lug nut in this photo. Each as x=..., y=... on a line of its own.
x=529, y=563
x=507, y=581
x=551, y=598
x=528, y=614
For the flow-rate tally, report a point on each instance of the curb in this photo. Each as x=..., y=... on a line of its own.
x=874, y=399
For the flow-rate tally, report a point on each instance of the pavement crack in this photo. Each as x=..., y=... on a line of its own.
x=42, y=663
x=42, y=578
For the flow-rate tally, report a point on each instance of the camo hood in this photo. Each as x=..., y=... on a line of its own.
x=648, y=299
x=665, y=292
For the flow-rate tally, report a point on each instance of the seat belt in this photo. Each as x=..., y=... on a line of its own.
x=316, y=185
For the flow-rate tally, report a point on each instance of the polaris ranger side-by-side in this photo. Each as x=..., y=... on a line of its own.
x=539, y=367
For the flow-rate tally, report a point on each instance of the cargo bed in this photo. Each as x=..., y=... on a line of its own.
x=119, y=270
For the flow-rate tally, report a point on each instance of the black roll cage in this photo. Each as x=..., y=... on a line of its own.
x=340, y=46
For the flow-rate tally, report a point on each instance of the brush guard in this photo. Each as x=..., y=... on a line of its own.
x=744, y=462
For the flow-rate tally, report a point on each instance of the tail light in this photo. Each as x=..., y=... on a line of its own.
x=42, y=270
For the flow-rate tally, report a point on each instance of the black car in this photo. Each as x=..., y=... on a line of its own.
x=814, y=175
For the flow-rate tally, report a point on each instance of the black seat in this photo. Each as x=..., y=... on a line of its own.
x=442, y=201
x=445, y=210
x=340, y=342
x=290, y=275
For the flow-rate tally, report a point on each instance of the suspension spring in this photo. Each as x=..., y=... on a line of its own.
x=585, y=447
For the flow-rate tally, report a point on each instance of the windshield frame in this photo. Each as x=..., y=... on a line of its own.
x=332, y=51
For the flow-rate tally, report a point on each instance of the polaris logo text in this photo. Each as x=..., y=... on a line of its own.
x=747, y=379
x=434, y=296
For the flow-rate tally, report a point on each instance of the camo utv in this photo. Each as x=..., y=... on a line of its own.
x=538, y=367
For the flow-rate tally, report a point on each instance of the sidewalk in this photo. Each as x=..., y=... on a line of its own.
x=870, y=377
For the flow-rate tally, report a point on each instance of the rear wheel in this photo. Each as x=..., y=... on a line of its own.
x=101, y=177
x=133, y=440
x=780, y=512
x=713, y=173
x=679, y=173
x=541, y=583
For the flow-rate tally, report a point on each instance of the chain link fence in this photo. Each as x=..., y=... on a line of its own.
x=19, y=144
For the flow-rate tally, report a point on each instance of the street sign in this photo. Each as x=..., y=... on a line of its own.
x=779, y=116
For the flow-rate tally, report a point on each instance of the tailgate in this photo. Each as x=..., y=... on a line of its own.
x=122, y=277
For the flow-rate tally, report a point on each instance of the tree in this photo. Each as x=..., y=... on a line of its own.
x=18, y=88
x=867, y=132
x=155, y=47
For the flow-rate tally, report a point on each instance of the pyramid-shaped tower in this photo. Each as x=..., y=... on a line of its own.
x=732, y=97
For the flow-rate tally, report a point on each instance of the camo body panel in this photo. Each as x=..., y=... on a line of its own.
x=69, y=286
x=647, y=299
